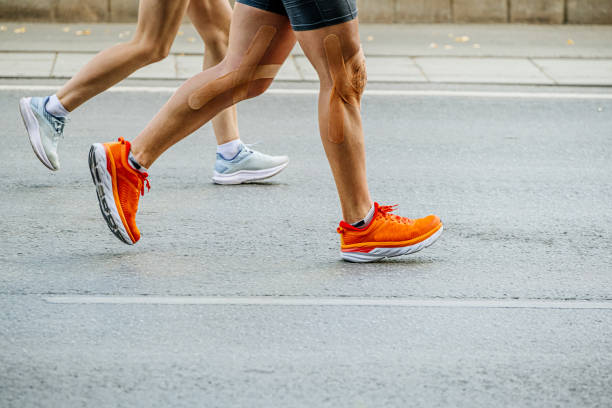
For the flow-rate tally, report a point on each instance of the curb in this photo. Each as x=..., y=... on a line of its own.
x=381, y=69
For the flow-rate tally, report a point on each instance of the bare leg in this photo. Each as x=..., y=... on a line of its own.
x=158, y=23
x=176, y=119
x=212, y=20
x=346, y=159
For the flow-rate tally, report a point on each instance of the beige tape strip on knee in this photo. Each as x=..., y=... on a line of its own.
x=349, y=82
x=239, y=80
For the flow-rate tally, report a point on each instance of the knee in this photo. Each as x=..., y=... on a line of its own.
x=347, y=76
x=153, y=51
x=357, y=73
x=158, y=52
x=216, y=43
x=253, y=86
x=258, y=87
x=213, y=24
x=228, y=83
x=240, y=77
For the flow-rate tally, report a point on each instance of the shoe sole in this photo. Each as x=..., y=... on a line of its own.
x=33, y=131
x=246, y=176
x=102, y=179
x=378, y=253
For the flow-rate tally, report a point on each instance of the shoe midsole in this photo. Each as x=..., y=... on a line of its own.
x=368, y=246
x=244, y=174
x=377, y=254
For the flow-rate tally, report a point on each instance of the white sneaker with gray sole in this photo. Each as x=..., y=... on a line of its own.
x=247, y=166
x=44, y=130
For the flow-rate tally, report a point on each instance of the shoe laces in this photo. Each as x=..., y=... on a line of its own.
x=386, y=211
x=144, y=180
x=57, y=123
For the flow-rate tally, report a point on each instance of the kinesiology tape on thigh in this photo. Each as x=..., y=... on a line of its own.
x=238, y=81
x=349, y=80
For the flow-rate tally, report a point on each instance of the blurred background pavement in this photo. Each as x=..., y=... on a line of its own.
x=437, y=53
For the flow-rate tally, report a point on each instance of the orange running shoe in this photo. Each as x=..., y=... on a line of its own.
x=387, y=235
x=118, y=186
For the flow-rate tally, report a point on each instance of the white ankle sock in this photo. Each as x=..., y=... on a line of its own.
x=55, y=107
x=366, y=220
x=135, y=165
x=229, y=150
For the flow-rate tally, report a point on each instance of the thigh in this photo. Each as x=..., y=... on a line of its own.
x=210, y=15
x=312, y=43
x=246, y=22
x=159, y=20
x=312, y=14
x=274, y=6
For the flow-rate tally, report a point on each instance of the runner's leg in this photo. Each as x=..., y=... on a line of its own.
x=346, y=159
x=235, y=162
x=45, y=117
x=368, y=232
x=158, y=23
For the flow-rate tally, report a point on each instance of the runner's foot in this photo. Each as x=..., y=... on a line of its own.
x=118, y=186
x=248, y=165
x=44, y=129
x=387, y=235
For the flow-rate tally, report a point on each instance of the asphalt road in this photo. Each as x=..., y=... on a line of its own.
x=523, y=185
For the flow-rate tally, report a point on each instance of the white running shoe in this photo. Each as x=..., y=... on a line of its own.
x=247, y=166
x=44, y=130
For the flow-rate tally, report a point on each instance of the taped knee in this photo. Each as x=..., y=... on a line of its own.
x=349, y=80
x=239, y=80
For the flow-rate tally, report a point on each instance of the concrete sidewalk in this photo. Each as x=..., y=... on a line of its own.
x=441, y=53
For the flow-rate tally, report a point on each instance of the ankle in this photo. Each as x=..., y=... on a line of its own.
x=135, y=164
x=230, y=149
x=141, y=157
x=357, y=213
x=363, y=223
x=55, y=107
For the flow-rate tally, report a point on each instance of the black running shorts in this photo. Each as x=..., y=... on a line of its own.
x=309, y=14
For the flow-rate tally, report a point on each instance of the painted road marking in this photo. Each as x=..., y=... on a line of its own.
x=372, y=92
x=331, y=301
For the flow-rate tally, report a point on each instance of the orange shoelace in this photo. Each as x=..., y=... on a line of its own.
x=143, y=175
x=387, y=212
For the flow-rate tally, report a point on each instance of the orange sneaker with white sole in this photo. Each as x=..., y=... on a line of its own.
x=387, y=235
x=118, y=186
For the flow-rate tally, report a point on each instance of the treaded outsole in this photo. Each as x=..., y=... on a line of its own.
x=106, y=213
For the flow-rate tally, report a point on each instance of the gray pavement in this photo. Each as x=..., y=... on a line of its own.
x=442, y=53
x=522, y=183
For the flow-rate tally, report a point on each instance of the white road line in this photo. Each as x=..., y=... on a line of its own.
x=330, y=301
x=372, y=92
